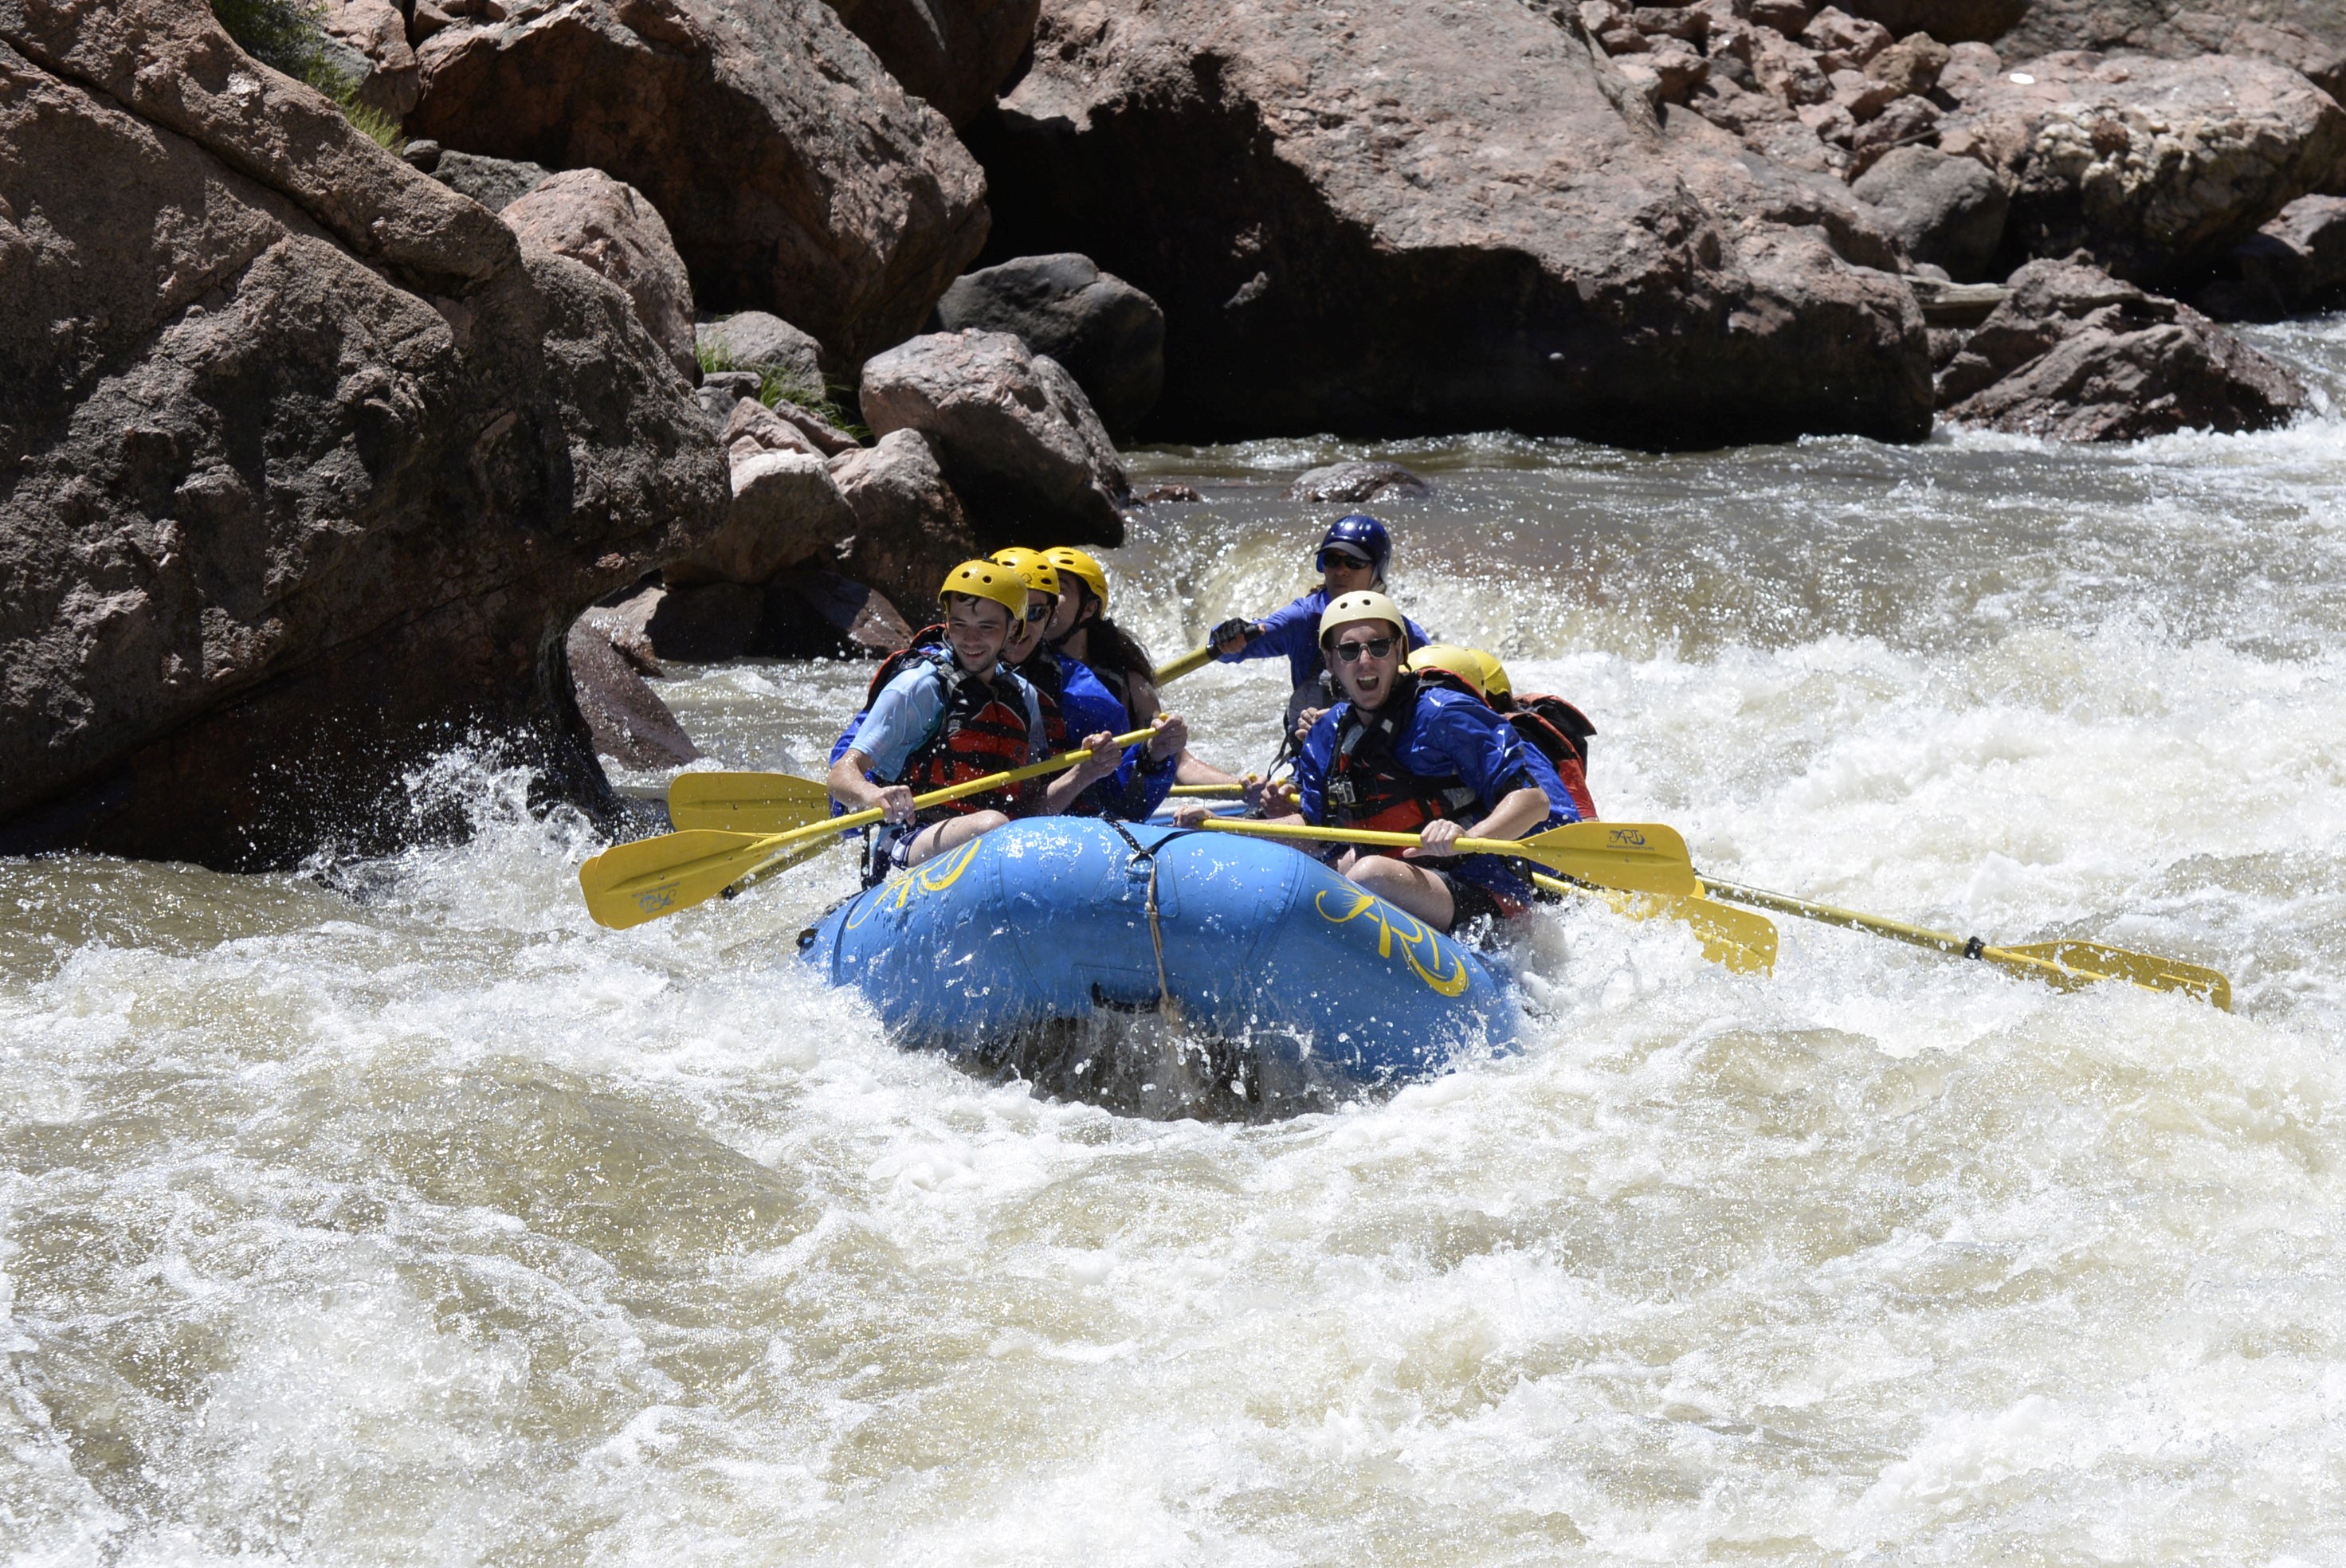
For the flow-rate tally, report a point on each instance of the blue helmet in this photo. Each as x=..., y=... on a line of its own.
x=1363, y=533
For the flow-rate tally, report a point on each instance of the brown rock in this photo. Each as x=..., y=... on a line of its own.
x=2296, y=263
x=785, y=509
x=814, y=614
x=953, y=53
x=1107, y=334
x=2076, y=355
x=1157, y=494
x=794, y=173
x=1790, y=72
x=589, y=217
x=2155, y=168
x=707, y=623
x=1356, y=482
x=1732, y=108
x=1683, y=22
x=1861, y=95
x=1949, y=211
x=763, y=430
x=1948, y=21
x=310, y=465
x=1012, y=430
x=758, y=340
x=1843, y=42
x=2308, y=36
x=377, y=33
x=630, y=724
x=1969, y=66
x=1906, y=123
x=910, y=529
x=1501, y=234
x=1911, y=65
x=1786, y=16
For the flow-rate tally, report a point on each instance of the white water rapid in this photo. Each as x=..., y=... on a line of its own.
x=396, y=1214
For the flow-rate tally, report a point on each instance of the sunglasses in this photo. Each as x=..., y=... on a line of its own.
x=1328, y=558
x=1040, y=612
x=1375, y=647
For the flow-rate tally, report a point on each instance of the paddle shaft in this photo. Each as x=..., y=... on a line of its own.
x=1174, y=669
x=1944, y=941
x=1370, y=835
x=780, y=844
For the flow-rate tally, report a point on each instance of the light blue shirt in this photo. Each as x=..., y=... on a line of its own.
x=908, y=711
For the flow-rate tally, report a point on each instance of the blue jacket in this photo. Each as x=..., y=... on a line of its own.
x=1294, y=632
x=1450, y=733
x=1138, y=785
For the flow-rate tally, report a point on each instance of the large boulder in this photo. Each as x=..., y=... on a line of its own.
x=760, y=341
x=794, y=173
x=910, y=528
x=786, y=508
x=1948, y=211
x=954, y=53
x=589, y=217
x=630, y=724
x=2074, y=354
x=312, y=464
x=2295, y=263
x=2305, y=36
x=2155, y=167
x=1010, y=429
x=1401, y=218
x=1108, y=335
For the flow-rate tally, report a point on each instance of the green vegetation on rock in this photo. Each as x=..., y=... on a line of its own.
x=782, y=384
x=289, y=36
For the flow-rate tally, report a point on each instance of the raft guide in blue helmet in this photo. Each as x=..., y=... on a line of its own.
x=1358, y=534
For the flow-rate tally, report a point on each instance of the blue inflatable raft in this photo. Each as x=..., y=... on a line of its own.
x=1300, y=977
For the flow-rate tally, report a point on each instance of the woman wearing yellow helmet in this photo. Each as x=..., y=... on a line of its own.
x=941, y=717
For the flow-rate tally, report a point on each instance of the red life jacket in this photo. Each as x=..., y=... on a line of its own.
x=1561, y=731
x=1367, y=786
x=983, y=732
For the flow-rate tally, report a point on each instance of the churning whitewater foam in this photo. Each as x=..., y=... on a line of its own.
x=396, y=1213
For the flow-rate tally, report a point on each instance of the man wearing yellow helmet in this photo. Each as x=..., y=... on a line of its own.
x=1083, y=639
x=941, y=717
x=1075, y=704
x=1398, y=754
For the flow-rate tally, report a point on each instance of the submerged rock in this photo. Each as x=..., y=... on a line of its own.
x=795, y=175
x=1355, y=482
x=311, y=462
x=589, y=217
x=1012, y=429
x=1403, y=218
x=1108, y=335
x=2074, y=354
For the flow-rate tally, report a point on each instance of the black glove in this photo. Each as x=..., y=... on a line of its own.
x=1238, y=628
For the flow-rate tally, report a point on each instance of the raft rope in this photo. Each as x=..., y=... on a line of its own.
x=1167, y=1006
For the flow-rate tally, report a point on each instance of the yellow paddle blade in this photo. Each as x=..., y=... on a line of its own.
x=2143, y=968
x=1629, y=857
x=746, y=803
x=1741, y=941
x=1175, y=669
x=629, y=884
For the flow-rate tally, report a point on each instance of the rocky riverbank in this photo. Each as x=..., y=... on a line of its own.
x=343, y=367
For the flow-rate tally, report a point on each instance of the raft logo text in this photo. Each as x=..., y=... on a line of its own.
x=1629, y=838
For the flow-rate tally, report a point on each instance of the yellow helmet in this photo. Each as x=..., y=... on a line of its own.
x=1365, y=605
x=1466, y=664
x=1073, y=562
x=988, y=580
x=1033, y=567
x=1495, y=674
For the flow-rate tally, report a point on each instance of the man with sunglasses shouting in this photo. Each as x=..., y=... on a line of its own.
x=1394, y=756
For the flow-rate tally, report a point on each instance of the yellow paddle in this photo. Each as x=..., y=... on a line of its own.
x=1743, y=941
x=629, y=884
x=1630, y=857
x=1208, y=791
x=2064, y=964
x=746, y=803
x=1196, y=658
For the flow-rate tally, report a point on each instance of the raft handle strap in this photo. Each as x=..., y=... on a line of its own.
x=1166, y=1005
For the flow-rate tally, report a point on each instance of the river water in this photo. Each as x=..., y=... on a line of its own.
x=394, y=1213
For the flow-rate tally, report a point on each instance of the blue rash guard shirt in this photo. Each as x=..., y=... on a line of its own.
x=1449, y=735
x=1294, y=632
